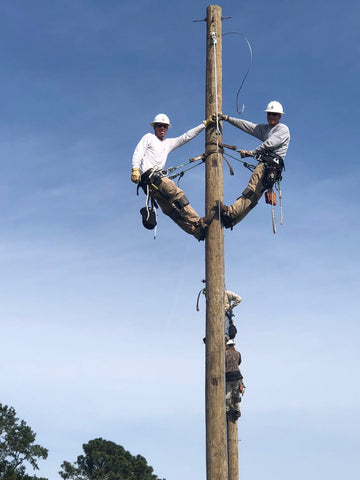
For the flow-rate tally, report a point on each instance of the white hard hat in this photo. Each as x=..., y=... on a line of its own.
x=275, y=107
x=230, y=342
x=161, y=118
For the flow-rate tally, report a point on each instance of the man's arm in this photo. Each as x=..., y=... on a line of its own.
x=248, y=127
x=139, y=152
x=232, y=297
x=279, y=137
x=177, y=142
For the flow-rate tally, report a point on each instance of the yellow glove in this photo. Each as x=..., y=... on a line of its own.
x=209, y=121
x=135, y=175
x=245, y=153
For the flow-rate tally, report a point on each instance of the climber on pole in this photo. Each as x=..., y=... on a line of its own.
x=234, y=379
x=148, y=162
x=270, y=154
x=231, y=300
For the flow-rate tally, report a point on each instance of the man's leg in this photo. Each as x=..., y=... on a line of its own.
x=236, y=396
x=174, y=203
x=228, y=396
x=227, y=324
x=251, y=195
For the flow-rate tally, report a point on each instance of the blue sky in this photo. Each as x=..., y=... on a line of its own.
x=100, y=336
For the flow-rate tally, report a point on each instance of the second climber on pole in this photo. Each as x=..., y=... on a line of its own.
x=270, y=155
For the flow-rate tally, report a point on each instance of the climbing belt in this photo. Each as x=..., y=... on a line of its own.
x=153, y=177
x=196, y=161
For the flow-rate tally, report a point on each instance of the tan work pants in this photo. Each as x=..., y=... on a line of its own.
x=232, y=397
x=170, y=197
x=250, y=196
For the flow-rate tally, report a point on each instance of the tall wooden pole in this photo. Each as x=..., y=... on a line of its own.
x=233, y=451
x=216, y=446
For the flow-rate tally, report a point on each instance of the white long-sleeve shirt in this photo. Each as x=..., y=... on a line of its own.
x=276, y=138
x=231, y=299
x=152, y=152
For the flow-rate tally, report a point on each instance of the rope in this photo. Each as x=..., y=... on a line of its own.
x=278, y=188
x=273, y=214
x=214, y=42
x=149, y=199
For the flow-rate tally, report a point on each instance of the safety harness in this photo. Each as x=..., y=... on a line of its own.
x=152, y=178
x=274, y=165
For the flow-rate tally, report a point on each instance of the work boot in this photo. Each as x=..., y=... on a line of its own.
x=203, y=224
x=200, y=231
x=224, y=214
x=205, y=221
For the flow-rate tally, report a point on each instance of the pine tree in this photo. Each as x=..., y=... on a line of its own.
x=105, y=460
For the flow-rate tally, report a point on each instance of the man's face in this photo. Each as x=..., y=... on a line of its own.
x=273, y=118
x=160, y=130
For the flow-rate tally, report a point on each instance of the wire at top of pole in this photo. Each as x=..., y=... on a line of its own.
x=247, y=72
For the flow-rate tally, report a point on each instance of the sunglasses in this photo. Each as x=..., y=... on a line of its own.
x=161, y=125
x=273, y=114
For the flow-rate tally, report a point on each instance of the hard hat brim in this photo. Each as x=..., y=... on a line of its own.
x=273, y=111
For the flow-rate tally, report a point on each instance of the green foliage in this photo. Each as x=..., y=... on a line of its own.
x=105, y=460
x=17, y=447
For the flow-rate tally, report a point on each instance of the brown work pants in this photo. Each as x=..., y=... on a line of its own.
x=171, y=200
x=250, y=196
x=232, y=397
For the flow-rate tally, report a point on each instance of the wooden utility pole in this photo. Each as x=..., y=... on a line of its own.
x=216, y=443
x=233, y=455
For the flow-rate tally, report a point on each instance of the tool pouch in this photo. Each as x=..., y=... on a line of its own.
x=148, y=217
x=270, y=197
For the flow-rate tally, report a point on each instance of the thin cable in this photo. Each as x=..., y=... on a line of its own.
x=248, y=70
x=214, y=42
x=192, y=160
x=180, y=174
x=278, y=187
x=273, y=213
